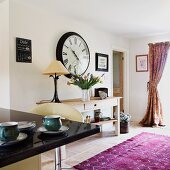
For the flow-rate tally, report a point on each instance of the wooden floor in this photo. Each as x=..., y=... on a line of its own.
x=88, y=147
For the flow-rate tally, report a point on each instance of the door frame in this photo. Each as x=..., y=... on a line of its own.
x=119, y=91
x=125, y=76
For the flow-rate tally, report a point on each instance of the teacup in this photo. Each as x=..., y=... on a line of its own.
x=8, y=131
x=52, y=122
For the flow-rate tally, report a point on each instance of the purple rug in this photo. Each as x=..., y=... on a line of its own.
x=146, y=151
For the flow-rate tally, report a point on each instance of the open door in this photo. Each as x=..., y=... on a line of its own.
x=118, y=76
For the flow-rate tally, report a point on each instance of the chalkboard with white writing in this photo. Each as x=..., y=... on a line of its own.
x=23, y=50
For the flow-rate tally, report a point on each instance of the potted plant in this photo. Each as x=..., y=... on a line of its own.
x=85, y=83
x=124, y=122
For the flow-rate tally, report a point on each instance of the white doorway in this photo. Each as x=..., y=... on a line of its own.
x=125, y=54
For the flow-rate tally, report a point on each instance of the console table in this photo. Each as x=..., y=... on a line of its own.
x=96, y=103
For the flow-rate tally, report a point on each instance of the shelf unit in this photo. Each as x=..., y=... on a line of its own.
x=96, y=103
x=100, y=123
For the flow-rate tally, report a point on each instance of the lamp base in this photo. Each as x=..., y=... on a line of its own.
x=55, y=98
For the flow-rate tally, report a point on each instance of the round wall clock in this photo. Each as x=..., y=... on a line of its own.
x=73, y=52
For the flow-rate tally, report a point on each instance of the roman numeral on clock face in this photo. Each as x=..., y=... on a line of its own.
x=80, y=44
x=65, y=46
x=69, y=68
x=70, y=41
x=65, y=61
x=64, y=53
x=85, y=57
x=83, y=50
x=75, y=40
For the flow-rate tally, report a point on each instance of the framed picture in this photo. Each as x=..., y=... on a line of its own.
x=102, y=62
x=23, y=50
x=142, y=63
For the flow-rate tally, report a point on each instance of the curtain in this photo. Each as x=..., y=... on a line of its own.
x=157, y=59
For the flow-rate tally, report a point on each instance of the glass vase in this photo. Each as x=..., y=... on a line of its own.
x=85, y=95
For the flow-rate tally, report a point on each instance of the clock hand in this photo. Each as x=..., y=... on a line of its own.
x=75, y=54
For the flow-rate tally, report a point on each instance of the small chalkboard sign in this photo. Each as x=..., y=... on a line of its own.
x=23, y=50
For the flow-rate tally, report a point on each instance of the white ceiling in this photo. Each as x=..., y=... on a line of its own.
x=128, y=18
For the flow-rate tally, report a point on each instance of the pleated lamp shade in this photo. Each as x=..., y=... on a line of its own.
x=55, y=67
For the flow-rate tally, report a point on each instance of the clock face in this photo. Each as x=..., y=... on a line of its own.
x=73, y=52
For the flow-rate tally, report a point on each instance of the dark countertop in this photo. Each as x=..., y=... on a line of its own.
x=37, y=143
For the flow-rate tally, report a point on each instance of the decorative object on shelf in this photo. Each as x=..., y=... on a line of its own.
x=55, y=69
x=85, y=83
x=142, y=63
x=124, y=122
x=106, y=118
x=102, y=95
x=23, y=50
x=102, y=62
x=88, y=119
x=73, y=52
x=97, y=115
x=96, y=91
x=86, y=95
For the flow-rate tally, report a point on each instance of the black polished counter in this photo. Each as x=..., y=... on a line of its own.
x=37, y=143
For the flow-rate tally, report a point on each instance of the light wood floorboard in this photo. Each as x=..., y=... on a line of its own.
x=83, y=149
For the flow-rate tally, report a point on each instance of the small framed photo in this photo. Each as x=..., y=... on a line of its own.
x=142, y=63
x=102, y=62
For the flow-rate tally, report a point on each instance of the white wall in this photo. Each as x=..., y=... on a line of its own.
x=164, y=91
x=27, y=84
x=4, y=54
x=138, y=80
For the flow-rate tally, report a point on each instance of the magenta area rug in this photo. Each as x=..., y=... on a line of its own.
x=146, y=151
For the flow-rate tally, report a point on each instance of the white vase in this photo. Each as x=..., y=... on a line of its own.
x=85, y=95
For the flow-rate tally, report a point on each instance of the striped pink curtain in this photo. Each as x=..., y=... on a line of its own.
x=157, y=59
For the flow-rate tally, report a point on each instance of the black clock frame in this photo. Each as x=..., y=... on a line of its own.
x=59, y=49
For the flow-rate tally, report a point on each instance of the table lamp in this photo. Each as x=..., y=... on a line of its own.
x=55, y=69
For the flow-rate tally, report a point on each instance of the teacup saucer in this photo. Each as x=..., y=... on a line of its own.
x=26, y=125
x=43, y=130
x=21, y=137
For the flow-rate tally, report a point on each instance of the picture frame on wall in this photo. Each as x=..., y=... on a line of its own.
x=142, y=63
x=23, y=50
x=102, y=62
